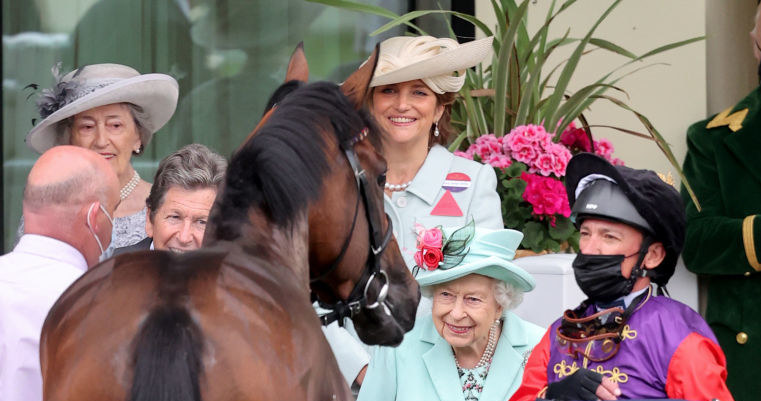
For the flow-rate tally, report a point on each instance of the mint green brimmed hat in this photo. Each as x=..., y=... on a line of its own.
x=488, y=252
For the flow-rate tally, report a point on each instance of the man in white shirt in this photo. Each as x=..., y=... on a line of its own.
x=70, y=195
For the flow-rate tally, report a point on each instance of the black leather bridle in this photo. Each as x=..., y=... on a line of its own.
x=358, y=298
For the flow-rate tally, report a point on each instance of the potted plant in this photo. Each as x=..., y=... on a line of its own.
x=519, y=115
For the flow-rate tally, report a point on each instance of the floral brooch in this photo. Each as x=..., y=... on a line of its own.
x=436, y=251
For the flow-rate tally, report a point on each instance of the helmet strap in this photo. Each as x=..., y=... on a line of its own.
x=639, y=271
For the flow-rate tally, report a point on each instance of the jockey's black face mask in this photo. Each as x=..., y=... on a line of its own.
x=600, y=278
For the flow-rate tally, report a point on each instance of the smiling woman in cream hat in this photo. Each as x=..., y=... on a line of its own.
x=415, y=83
x=113, y=110
x=470, y=343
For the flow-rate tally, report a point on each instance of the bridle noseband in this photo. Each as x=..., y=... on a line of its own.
x=358, y=298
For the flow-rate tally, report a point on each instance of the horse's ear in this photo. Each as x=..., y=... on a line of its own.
x=356, y=86
x=298, y=70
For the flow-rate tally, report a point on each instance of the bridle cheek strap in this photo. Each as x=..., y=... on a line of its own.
x=358, y=298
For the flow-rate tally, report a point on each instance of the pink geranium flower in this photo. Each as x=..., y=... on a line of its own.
x=499, y=161
x=546, y=195
x=544, y=164
x=604, y=148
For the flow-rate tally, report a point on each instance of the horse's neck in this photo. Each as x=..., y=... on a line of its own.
x=282, y=246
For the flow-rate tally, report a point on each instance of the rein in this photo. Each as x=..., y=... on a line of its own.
x=359, y=298
x=580, y=331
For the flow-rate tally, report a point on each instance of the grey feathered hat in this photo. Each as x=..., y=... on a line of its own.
x=99, y=85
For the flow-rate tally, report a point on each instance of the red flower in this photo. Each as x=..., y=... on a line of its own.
x=431, y=257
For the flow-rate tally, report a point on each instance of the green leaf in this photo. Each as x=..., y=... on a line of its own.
x=670, y=46
x=562, y=230
x=534, y=74
x=567, y=73
x=604, y=44
x=501, y=69
x=514, y=170
x=455, y=145
x=404, y=19
x=533, y=236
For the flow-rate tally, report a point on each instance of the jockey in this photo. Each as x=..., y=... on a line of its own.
x=625, y=341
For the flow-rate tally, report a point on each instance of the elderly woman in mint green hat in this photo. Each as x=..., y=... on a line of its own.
x=470, y=343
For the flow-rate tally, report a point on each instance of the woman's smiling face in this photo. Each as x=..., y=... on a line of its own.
x=464, y=310
x=406, y=111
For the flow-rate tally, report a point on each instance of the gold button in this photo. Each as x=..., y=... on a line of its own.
x=747, y=274
x=741, y=338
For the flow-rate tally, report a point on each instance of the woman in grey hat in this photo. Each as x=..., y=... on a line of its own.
x=113, y=110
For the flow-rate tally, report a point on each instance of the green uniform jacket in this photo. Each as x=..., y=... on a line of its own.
x=723, y=165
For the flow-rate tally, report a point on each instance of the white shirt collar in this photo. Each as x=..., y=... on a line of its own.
x=629, y=298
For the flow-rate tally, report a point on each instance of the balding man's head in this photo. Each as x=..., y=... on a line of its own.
x=62, y=187
x=67, y=176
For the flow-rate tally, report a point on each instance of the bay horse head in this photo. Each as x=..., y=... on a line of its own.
x=314, y=159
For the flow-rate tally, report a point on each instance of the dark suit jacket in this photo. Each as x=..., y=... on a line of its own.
x=723, y=165
x=143, y=245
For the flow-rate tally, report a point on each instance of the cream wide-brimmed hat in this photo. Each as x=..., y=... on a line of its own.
x=439, y=62
x=99, y=85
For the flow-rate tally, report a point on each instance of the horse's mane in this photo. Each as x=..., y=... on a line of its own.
x=281, y=169
x=282, y=92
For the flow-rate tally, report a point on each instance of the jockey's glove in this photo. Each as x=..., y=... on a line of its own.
x=581, y=385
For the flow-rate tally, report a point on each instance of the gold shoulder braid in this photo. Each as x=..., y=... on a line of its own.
x=734, y=120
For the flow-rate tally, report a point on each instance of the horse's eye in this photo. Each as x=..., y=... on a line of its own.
x=382, y=179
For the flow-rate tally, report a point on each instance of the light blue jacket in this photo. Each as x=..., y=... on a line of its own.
x=476, y=198
x=423, y=366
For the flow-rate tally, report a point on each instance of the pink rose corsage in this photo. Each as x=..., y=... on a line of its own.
x=429, y=243
x=434, y=251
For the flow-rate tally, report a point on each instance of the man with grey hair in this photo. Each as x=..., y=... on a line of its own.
x=70, y=196
x=183, y=192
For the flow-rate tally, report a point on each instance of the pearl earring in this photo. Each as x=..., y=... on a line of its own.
x=436, y=129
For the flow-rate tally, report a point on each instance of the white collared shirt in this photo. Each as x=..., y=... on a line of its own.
x=32, y=277
x=629, y=298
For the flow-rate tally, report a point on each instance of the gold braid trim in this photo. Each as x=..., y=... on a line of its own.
x=750, y=246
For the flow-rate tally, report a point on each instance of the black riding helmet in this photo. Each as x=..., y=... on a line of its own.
x=638, y=198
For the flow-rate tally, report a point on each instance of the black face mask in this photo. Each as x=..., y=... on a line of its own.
x=599, y=276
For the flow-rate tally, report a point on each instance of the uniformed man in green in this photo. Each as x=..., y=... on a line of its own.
x=723, y=243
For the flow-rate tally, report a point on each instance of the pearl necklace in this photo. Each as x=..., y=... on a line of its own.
x=397, y=187
x=130, y=186
x=491, y=345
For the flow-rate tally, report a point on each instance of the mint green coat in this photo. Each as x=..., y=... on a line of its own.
x=423, y=366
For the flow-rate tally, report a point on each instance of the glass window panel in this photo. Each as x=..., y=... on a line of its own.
x=227, y=55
